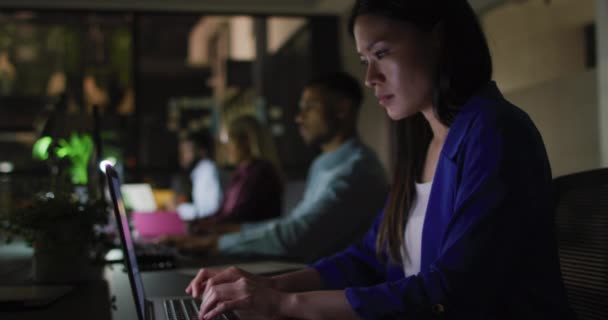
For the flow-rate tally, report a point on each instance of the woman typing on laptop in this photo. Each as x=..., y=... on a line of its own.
x=198, y=188
x=467, y=232
x=255, y=190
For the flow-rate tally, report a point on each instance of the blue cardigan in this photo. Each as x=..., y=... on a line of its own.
x=488, y=244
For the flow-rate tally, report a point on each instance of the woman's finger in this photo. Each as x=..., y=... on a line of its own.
x=228, y=275
x=197, y=283
x=223, y=307
x=217, y=294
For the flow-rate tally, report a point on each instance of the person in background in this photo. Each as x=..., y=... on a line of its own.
x=199, y=193
x=255, y=189
x=346, y=183
x=467, y=232
x=8, y=73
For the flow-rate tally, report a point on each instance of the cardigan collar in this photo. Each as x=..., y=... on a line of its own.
x=465, y=117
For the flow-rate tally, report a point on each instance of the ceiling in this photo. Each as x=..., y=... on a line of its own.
x=215, y=6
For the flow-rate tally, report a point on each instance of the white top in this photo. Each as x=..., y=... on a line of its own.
x=411, y=252
x=206, y=192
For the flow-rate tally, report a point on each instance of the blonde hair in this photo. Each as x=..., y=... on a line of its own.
x=247, y=130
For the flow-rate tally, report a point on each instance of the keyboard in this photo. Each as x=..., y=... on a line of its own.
x=152, y=257
x=187, y=309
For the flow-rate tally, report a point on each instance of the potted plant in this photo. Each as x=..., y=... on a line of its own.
x=70, y=157
x=62, y=231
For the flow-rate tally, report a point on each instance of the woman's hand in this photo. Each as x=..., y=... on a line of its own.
x=202, y=226
x=172, y=241
x=198, y=284
x=234, y=288
x=207, y=226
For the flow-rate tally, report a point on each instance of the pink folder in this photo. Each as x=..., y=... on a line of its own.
x=152, y=225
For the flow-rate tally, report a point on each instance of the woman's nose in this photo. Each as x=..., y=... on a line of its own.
x=373, y=76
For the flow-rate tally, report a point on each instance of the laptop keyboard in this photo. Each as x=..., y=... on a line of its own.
x=152, y=257
x=187, y=309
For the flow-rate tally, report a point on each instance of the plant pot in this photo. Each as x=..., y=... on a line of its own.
x=68, y=263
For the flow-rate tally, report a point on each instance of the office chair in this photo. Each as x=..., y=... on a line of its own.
x=582, y=235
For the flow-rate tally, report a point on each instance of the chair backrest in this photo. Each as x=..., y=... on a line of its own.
x=582, y=234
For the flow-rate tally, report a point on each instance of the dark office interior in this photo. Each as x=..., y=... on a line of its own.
x=123, y=83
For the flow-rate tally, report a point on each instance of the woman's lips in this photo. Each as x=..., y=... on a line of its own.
x=384, y=99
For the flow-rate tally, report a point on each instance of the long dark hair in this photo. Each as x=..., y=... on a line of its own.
x=247, y=130
x=464, y=66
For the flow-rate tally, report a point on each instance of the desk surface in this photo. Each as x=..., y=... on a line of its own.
x=109, y=297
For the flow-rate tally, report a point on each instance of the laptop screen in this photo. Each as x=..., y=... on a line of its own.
x=139, y=197
x=122, y=224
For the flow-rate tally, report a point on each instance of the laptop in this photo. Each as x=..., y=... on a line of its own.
x=159, y=308
x=138, y=197
x=153, y=225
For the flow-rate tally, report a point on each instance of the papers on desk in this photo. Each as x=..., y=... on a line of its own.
x=260, y=268
x=35, y=296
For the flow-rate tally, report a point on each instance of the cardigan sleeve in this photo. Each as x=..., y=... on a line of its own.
x=357, y=265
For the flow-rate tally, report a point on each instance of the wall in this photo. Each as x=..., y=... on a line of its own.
x=280, y=29
x=539, y=63
x=565, y=112
x=602, y=54
x=533, y=42
x=242, y=38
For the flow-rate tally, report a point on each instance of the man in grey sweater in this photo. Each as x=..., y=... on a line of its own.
x=345, y=188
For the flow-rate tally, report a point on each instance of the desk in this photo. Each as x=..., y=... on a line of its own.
x=90, y=301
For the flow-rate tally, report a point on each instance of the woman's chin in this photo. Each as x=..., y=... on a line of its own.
x=396, y=116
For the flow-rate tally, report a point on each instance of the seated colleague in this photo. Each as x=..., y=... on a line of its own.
x=346, y=184
x=468, y=229
x=201, y=191
x=255, y=190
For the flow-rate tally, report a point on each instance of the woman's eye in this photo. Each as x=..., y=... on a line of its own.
x=363, y=62
x=380, y=54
